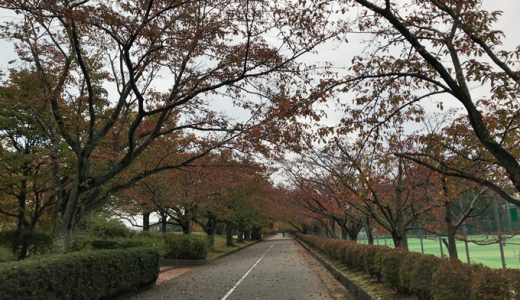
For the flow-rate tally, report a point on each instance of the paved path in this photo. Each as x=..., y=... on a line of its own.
x=273, y=269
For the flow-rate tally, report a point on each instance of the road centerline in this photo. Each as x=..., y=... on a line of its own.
x=245, y=275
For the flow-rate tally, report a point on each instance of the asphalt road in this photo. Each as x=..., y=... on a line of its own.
x=272, y=269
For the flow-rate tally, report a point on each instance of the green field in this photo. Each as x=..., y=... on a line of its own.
x=488, y=255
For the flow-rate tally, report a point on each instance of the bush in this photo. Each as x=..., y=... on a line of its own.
x=406, y=271
x=423, y=269
x=6, y=254
x=116, y=244
x=426, y=276
x=391, y=261
x=102, y=228
x=101, y=274
x=489, y=284
x=371, y=257
x=185, y=247
x=514, y=283
x=451, y=281
x=38, y=242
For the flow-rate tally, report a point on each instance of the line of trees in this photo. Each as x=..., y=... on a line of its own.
x=98, y=85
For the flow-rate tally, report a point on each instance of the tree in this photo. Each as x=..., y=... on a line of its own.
x=79, y=48
x=457, y=203
x=25, y=188
x=424, y=49
x=381, y=187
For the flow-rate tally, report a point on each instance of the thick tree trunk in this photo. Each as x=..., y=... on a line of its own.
x=68, y=213
x=256, y=233
x=353, y=235
x=209, y=228
x=164, y=219
x=20, y=245
x=400, y=240
x=344, y=233
x=240, y=234
x=62, y=236
x=211, y=239
x=146, y=221
x=247, y=235
x=451, y=244
x=229, y=234
x=368, y=230
x=186, y=226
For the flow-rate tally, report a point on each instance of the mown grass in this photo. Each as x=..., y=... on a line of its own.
x=488, y=255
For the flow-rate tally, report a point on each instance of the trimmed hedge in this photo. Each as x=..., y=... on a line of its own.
x=426, y=276
x=185, y=247
x=101, y=274
x=116, y=244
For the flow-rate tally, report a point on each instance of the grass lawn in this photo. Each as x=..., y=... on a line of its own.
x=488, y=255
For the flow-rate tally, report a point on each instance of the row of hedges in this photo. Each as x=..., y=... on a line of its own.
x=148, y=239
x=426, y=276
x=101, y=274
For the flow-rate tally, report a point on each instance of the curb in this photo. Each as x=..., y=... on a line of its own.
x=352, y=286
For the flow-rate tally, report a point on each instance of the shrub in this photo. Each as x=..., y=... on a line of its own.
x=116, y=244
x=421, y=281
x=185, y=247
x=406, y=271
x=371, y=255
x=357, y=257
x=6, y=254
x=153, y=240
x=102, y=274
x=101, y=228
x=514, y=283
x=391, y=261
x=426, y=276
x=489, y=284
x=451, y=281
x=104, y=244
x=39, y=242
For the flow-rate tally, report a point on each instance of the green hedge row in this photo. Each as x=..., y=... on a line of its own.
x=101, y=274
x=426, y=276
x=185, y=247
x=116, y=243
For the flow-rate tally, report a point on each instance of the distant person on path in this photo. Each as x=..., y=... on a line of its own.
x=283, y=234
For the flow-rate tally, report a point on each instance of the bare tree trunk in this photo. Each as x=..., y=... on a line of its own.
x=240, y=234
x=344, y=233
x=400, y=240
x=451, y=244
x=368, y=230
x=256, y=233
x=186, y=226
x=163, y=222
x=247, y=235
x=229, y=234
x=146, y=221
x=209, y=227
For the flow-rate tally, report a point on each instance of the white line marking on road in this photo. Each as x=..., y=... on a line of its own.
x=245, y=275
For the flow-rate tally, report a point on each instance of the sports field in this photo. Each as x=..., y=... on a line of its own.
x=488, y=255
